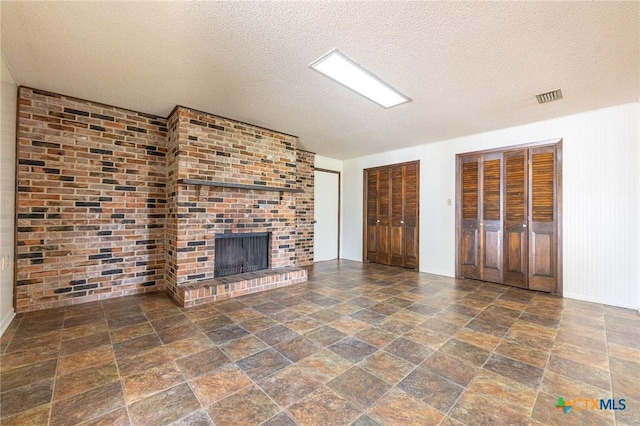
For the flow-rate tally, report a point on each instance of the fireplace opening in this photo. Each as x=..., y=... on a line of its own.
x=238, y=253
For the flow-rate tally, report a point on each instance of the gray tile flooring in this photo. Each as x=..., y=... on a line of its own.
x=359, y=344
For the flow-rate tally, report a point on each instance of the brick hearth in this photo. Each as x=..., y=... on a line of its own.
x=205, y=291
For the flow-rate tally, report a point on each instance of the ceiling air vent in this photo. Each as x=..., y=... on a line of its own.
x=554, y=95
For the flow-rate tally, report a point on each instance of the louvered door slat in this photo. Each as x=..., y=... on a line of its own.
x=491, y=190
x=542, y=188
x=396, y=242
x=371, y=230
x=470, y=190
x=384, y=216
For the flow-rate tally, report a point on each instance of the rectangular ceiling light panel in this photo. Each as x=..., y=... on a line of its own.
x=346, y=72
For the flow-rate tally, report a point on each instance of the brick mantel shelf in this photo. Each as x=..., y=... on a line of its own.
x=201, y=182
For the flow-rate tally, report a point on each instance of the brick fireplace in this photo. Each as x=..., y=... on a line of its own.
x=227, y=177
x=113, y=202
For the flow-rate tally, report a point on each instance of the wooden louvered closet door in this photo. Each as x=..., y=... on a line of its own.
x=515, y=218
x=469, y=241
x=391, y=210
x=491, y=218
x=543, y=219
x=507, y=217
x=377, y=216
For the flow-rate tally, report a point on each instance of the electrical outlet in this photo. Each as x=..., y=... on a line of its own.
x=448, y=201
x=5, y=262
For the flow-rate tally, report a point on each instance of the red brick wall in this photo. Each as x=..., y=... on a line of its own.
x=305, y=208
x=91, y=201
x=171, y=228
x=215, y=148
x=101, y=212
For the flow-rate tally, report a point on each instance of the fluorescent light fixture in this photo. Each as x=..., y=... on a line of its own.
x=338, y=67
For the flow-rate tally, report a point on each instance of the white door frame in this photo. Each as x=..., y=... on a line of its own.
x=318, y=169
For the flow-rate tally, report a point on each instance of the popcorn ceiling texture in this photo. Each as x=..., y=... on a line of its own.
x=102, y=213
x=469, y=66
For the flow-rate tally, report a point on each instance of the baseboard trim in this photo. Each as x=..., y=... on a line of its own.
x=6, y=321
x=603, y=300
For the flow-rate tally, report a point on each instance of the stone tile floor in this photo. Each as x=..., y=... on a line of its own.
x=358, y=344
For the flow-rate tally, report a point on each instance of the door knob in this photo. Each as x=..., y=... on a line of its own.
x=524, y=225
x=378, y=221
x=402, y=221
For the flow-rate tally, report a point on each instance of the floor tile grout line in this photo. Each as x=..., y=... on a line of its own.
x=391, y=389
x=254, y=383
x=445, y=414
x=538, y=388
x=275, y=372
x=124, y=391
x=14, y=332
x=606, y=342
x=55, y=377
x=589, y=366
x=551, y=353
x=121, y=378
x=115, y=361
x=59, y=359
x=306, y=313
x=465, y=388
x=416, y=366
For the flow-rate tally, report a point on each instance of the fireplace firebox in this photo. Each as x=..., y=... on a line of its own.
x=238, y=253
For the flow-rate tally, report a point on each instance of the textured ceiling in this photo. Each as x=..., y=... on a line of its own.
x=468, y=66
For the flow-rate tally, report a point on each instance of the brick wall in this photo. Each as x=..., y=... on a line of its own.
x=171, y=228
x=305, y=208
x=215, y=148
x=91, y=201
x=102, y=212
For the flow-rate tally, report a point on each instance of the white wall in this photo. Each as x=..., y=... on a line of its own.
x=328, y=163
x=601, y=188
x=7, y=193
x=637, y=261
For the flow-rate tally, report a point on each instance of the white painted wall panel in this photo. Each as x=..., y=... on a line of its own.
x=328, y=163
x=601, y=189
x=7, y=193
